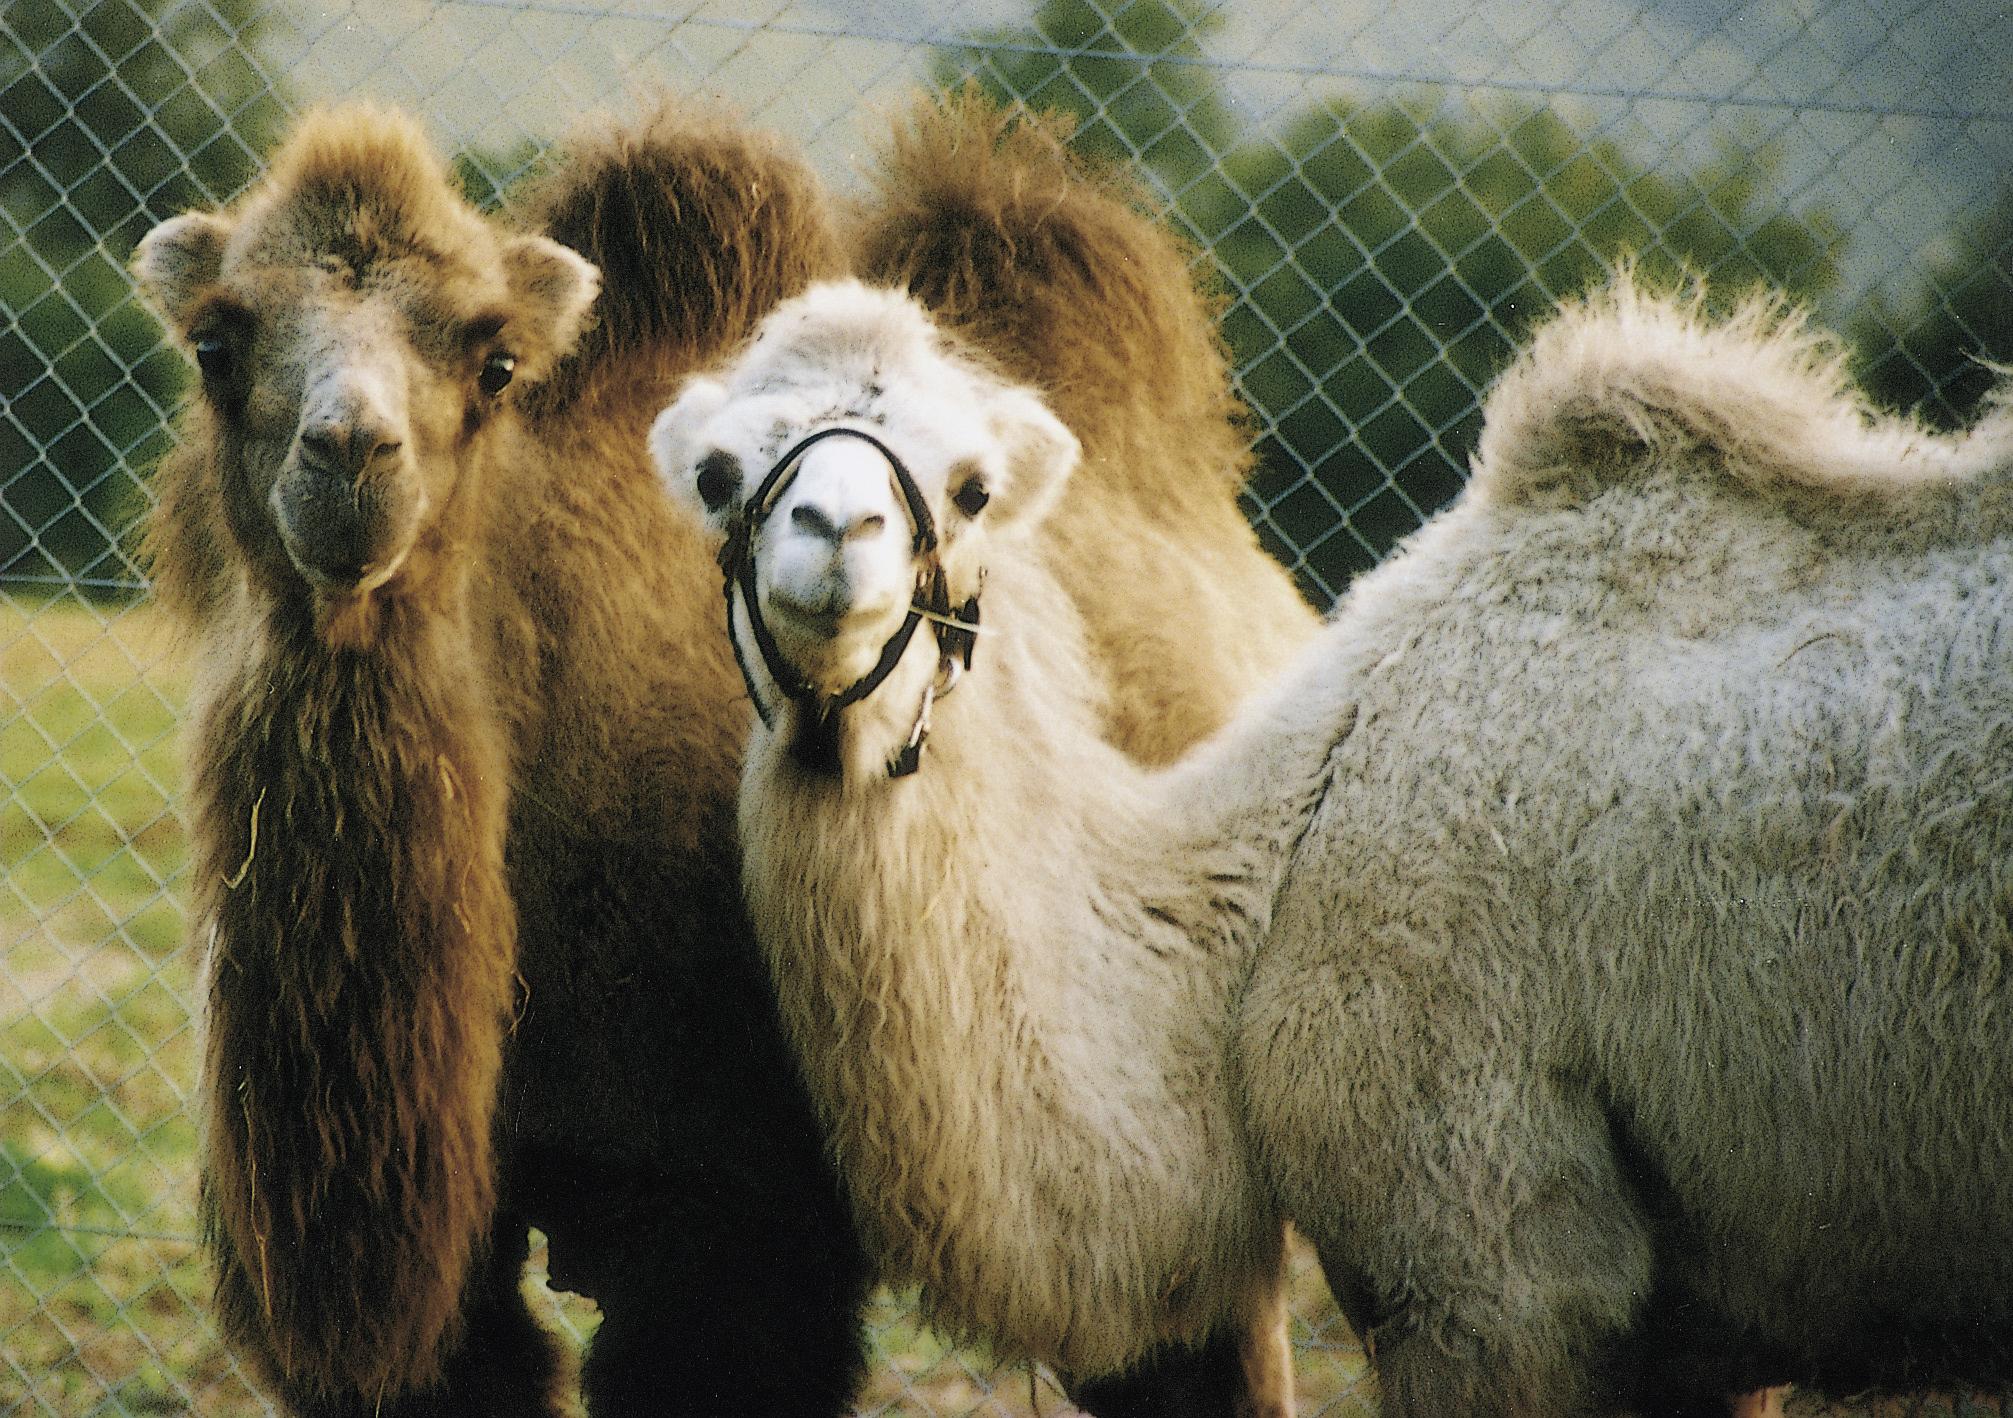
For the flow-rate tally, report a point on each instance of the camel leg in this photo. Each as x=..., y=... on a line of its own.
x=1245, y=1370
x=721, y=1251
x=1759, y=1403
x=1171, y=1382
x=1524, y=1308
x=1265, y=1350
x=507, y=1364
x=758, y=1320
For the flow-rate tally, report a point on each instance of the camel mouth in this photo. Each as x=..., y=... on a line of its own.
x=831, y=618
x=342, y=578
x=346, y=539
x=832, y=643
x=817, y=621
x=349, y=582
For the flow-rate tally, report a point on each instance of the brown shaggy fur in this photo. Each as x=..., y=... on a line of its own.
x=734, y=191
x=377, y=943
x=1052, y=267
x=293, y=983
x=329, y=1190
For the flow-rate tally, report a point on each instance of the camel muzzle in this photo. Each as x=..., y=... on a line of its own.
x=343, y=533
x=815, y=746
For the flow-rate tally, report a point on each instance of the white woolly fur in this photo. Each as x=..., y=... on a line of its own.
x=924, y=936
x=1596, y=945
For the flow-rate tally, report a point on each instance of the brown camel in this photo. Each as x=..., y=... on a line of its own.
x=462, y=785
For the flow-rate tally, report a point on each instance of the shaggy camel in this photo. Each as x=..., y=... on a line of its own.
x=1048, y=265
x=1596, y=944
x=463, y=799
x=460, y=795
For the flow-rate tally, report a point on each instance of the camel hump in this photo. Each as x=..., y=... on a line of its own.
x=1053, y=265
x=1627, y=379
x=700, y=225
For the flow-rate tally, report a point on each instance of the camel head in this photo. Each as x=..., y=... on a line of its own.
x=361, y=331
x=859, y=462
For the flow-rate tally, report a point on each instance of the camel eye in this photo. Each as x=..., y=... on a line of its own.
x=719, y=478
x=971, y=497
x=497, y=372
x=213, y=357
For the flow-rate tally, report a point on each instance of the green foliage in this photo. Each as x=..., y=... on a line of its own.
x=1390, y=256
x=1384, y=257
x=120, y=114
x=1135, y=79
x=1925, y=354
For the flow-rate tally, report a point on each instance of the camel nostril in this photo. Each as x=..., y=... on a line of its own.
x=818, y=523
x=346, y=449
x=326, y=443
x=814, y=521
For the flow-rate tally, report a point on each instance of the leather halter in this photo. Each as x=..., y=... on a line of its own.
x=816, y=746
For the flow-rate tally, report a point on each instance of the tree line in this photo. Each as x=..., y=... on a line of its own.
x=1381, y=258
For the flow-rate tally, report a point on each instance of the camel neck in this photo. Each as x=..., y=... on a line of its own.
x=379, y=764
x=360, y=972
x=1011, y=978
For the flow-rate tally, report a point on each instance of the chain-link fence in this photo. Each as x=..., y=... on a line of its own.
x=1390, y=194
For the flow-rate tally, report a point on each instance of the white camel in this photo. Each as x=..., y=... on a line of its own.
x=1596, y=945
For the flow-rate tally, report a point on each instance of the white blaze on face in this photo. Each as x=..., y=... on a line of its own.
x=351, y=496
x=357, y=407
x=834, y=565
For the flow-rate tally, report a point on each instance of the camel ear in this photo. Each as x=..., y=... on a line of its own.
x=552, y=288
x=706, y=479
x=179, y=260
x=1041, y=453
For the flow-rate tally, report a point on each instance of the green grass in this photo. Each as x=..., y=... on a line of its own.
x=102, y=1286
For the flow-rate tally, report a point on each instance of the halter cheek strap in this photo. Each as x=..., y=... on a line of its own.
x=816, y=745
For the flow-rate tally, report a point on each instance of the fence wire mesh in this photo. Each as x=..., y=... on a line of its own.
x=1389, y=194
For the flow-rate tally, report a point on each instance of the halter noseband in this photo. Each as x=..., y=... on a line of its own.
x=816, y=746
